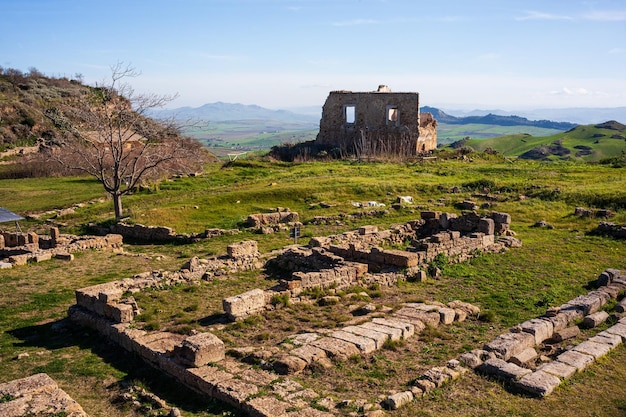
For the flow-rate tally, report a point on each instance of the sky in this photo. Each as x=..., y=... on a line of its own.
x=483, y=54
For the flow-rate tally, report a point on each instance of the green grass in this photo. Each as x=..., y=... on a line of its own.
x=553, y=266
x=448, y=133
x=600, y=142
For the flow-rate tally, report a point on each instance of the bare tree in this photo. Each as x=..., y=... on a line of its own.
x=109, y=136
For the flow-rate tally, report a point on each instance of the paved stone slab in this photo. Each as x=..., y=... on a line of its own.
x=266, y=407
x=510, y=344
x=619, y=329
x=336, y=348
x=606, y=338
x=576, y=359
x=428, y=318
x=539, y=328
x=234, y=391
x=364, y=344
x=502, y=369
x=597, y=350
x=538, y=383
x=391, y=332
x=378, y=338
x=408, y=329
x=560, y=369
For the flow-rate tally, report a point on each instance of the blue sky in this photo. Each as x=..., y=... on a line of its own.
x=488, y=54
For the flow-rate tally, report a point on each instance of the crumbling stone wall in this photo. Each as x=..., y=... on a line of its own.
x=142, y=233
x=31, y=247
x=379, y=122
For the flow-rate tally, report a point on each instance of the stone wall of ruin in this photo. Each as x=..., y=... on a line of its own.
x=370, y=131
x=141, y=233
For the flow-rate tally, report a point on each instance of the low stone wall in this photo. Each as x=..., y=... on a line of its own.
x=42, y=248
x=37, y=395
x=511, y=355
x=274, y=218
x=141, y=233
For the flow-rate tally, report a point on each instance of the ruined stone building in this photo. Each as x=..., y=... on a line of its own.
x=376, y=123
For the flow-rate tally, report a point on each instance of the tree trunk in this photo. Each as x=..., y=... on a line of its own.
x=117, y=204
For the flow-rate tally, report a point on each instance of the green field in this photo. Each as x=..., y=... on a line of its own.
x=589, y=143
x=554, y=265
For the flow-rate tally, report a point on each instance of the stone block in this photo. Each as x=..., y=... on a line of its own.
x=364, y=344
x=446, y=315
x=42, y=256
x=618, y=329
x=428, y=215
x=428, y=318
x=64, y=256
x=234, y=391
x=243, y=305
x=539, y=328
x=576, y=359
x=392, y=333
x=486, y=226
x=199, y=350
x=336, y=348
x=395, y=401
x=564, y=334
x=407, y=328
x=470, y=309
x=524, y=357
x=242, y=249
x=460, y=315
x=309, y=353
x=119, y=313
x=503, y=370
x=289, y=365
x=368, y=230
x=266, y=406
x=597, y=350
x=559, y=321
x=425, y=385
x=438, y=375
x=606, y=338
x=6, y=265
x=538, y=383
x=559, y=369
x=621, y=306
x=510, y=344
x=595, y=319
x=18, y=260
x=470, y=360
x=379, y=338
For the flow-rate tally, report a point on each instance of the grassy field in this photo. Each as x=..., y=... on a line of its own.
x=554, y=265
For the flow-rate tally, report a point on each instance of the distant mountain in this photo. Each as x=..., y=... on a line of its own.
x=219, y=112
x=494, y=119
x=578, y=115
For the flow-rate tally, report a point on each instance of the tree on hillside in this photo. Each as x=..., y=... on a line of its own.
x=109, y=136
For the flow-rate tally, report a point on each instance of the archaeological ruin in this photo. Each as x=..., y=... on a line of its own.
x=376, y=123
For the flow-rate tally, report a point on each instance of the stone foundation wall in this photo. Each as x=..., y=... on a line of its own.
x=141, y=233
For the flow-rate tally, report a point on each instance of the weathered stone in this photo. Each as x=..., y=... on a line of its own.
x=560, y=369
x=539, y=328
x=336, y=348
x=621, y=306
x=576, y=359
x=200, y=349
x=559, y=321
x=392, y=333
x=486, y=226
x=242, y=249
x=368, y=230
x=429, y=318
x=364, y=344
x=597, y=350
x=502, y=369
x=395, y=401
x=470, y=309
x=243, y=305
x=606, y=338
x=470, y=360
x=510, y=344
x=524, y=357
x=595, y=319
x=564, y=334
x=446, y=315
x=405, y=327
x=425, y=385
x=538, y=383
x=460, y=315
x=234, y=391
x=266, y=406
x=289, y=365
x=65, y=256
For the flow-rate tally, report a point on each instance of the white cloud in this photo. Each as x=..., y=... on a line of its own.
x=356, y=22
x=606, y=16
x=535, y=15
x=617, y=51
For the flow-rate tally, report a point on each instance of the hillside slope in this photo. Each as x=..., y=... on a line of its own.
x=588, y=143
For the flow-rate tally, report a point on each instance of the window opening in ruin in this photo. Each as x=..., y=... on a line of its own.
x=393, y=116
x=350, y=112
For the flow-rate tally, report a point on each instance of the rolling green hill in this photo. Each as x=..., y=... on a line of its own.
x=588, y=143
